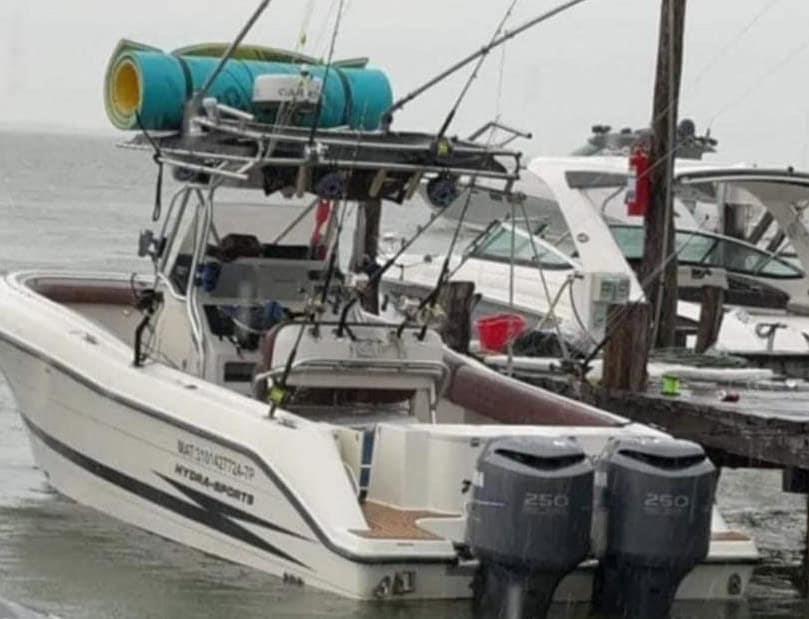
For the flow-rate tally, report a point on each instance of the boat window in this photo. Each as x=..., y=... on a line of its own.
x=497, y=247
x=704, y=249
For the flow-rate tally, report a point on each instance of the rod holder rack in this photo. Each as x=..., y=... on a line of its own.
x=363, y=165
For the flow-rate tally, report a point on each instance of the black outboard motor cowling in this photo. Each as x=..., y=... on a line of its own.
x=529, y=522
x=655, y=515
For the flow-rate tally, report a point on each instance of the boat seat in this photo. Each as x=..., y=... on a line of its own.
x=322, y=395
x=512, y=402
x=234, y=246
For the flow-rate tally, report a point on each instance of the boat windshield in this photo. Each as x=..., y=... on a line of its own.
x=497, y=247
x=704, y=249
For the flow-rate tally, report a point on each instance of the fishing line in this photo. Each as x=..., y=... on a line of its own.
x=321, y=33
x=500, y=81
x=762, y=78
x=303, y=34
x=462, y=95
x=400, y=103
x=805, y=149
x=319, y=108
x=379, y=273
x=732, y=43
x=740, y=34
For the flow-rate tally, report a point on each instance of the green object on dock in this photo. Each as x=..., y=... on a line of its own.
x=671, y=385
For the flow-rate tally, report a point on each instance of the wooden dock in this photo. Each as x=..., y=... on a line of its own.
x=765, y=428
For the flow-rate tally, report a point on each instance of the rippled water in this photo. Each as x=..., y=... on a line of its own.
x=77, y=202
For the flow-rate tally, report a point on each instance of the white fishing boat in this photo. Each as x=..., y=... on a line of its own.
x=368, y=476
x=242, y=403
x=367, y=480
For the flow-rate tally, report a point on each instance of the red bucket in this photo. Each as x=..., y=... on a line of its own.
x=498, y=331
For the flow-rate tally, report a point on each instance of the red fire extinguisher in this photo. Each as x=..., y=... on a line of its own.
x=639, y=183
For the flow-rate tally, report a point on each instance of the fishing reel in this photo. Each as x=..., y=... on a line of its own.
x=442, y=190
x=331, y=186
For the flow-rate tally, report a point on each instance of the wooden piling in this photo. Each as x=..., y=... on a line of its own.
x=366, y=248
x=710, y=317
x=457, y=299
x=627, y=351
x=658, y=270
x=803, y=586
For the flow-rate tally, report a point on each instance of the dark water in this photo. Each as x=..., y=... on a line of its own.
x=77, y=203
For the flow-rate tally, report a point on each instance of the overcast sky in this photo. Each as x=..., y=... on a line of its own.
x=594, y=64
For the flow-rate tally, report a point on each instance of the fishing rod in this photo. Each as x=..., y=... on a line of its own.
x=377, y=275
x=431, y=298
x=196, y=100
x=454, y=109
x=278, y=392
x=387, y=117
x=332, y=268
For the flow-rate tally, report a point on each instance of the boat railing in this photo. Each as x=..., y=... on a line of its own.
x=367, y=366
x=227, y=148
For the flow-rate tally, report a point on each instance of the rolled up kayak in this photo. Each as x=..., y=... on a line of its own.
x=148, y=88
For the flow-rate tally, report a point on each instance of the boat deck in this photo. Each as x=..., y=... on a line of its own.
x=386, y=522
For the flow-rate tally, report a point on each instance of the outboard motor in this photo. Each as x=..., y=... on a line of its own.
x=652, y=523
x=529, y=523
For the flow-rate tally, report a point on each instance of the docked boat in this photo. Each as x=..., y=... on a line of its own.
x=241, y=401
x=586, y=245
x=225, y=406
